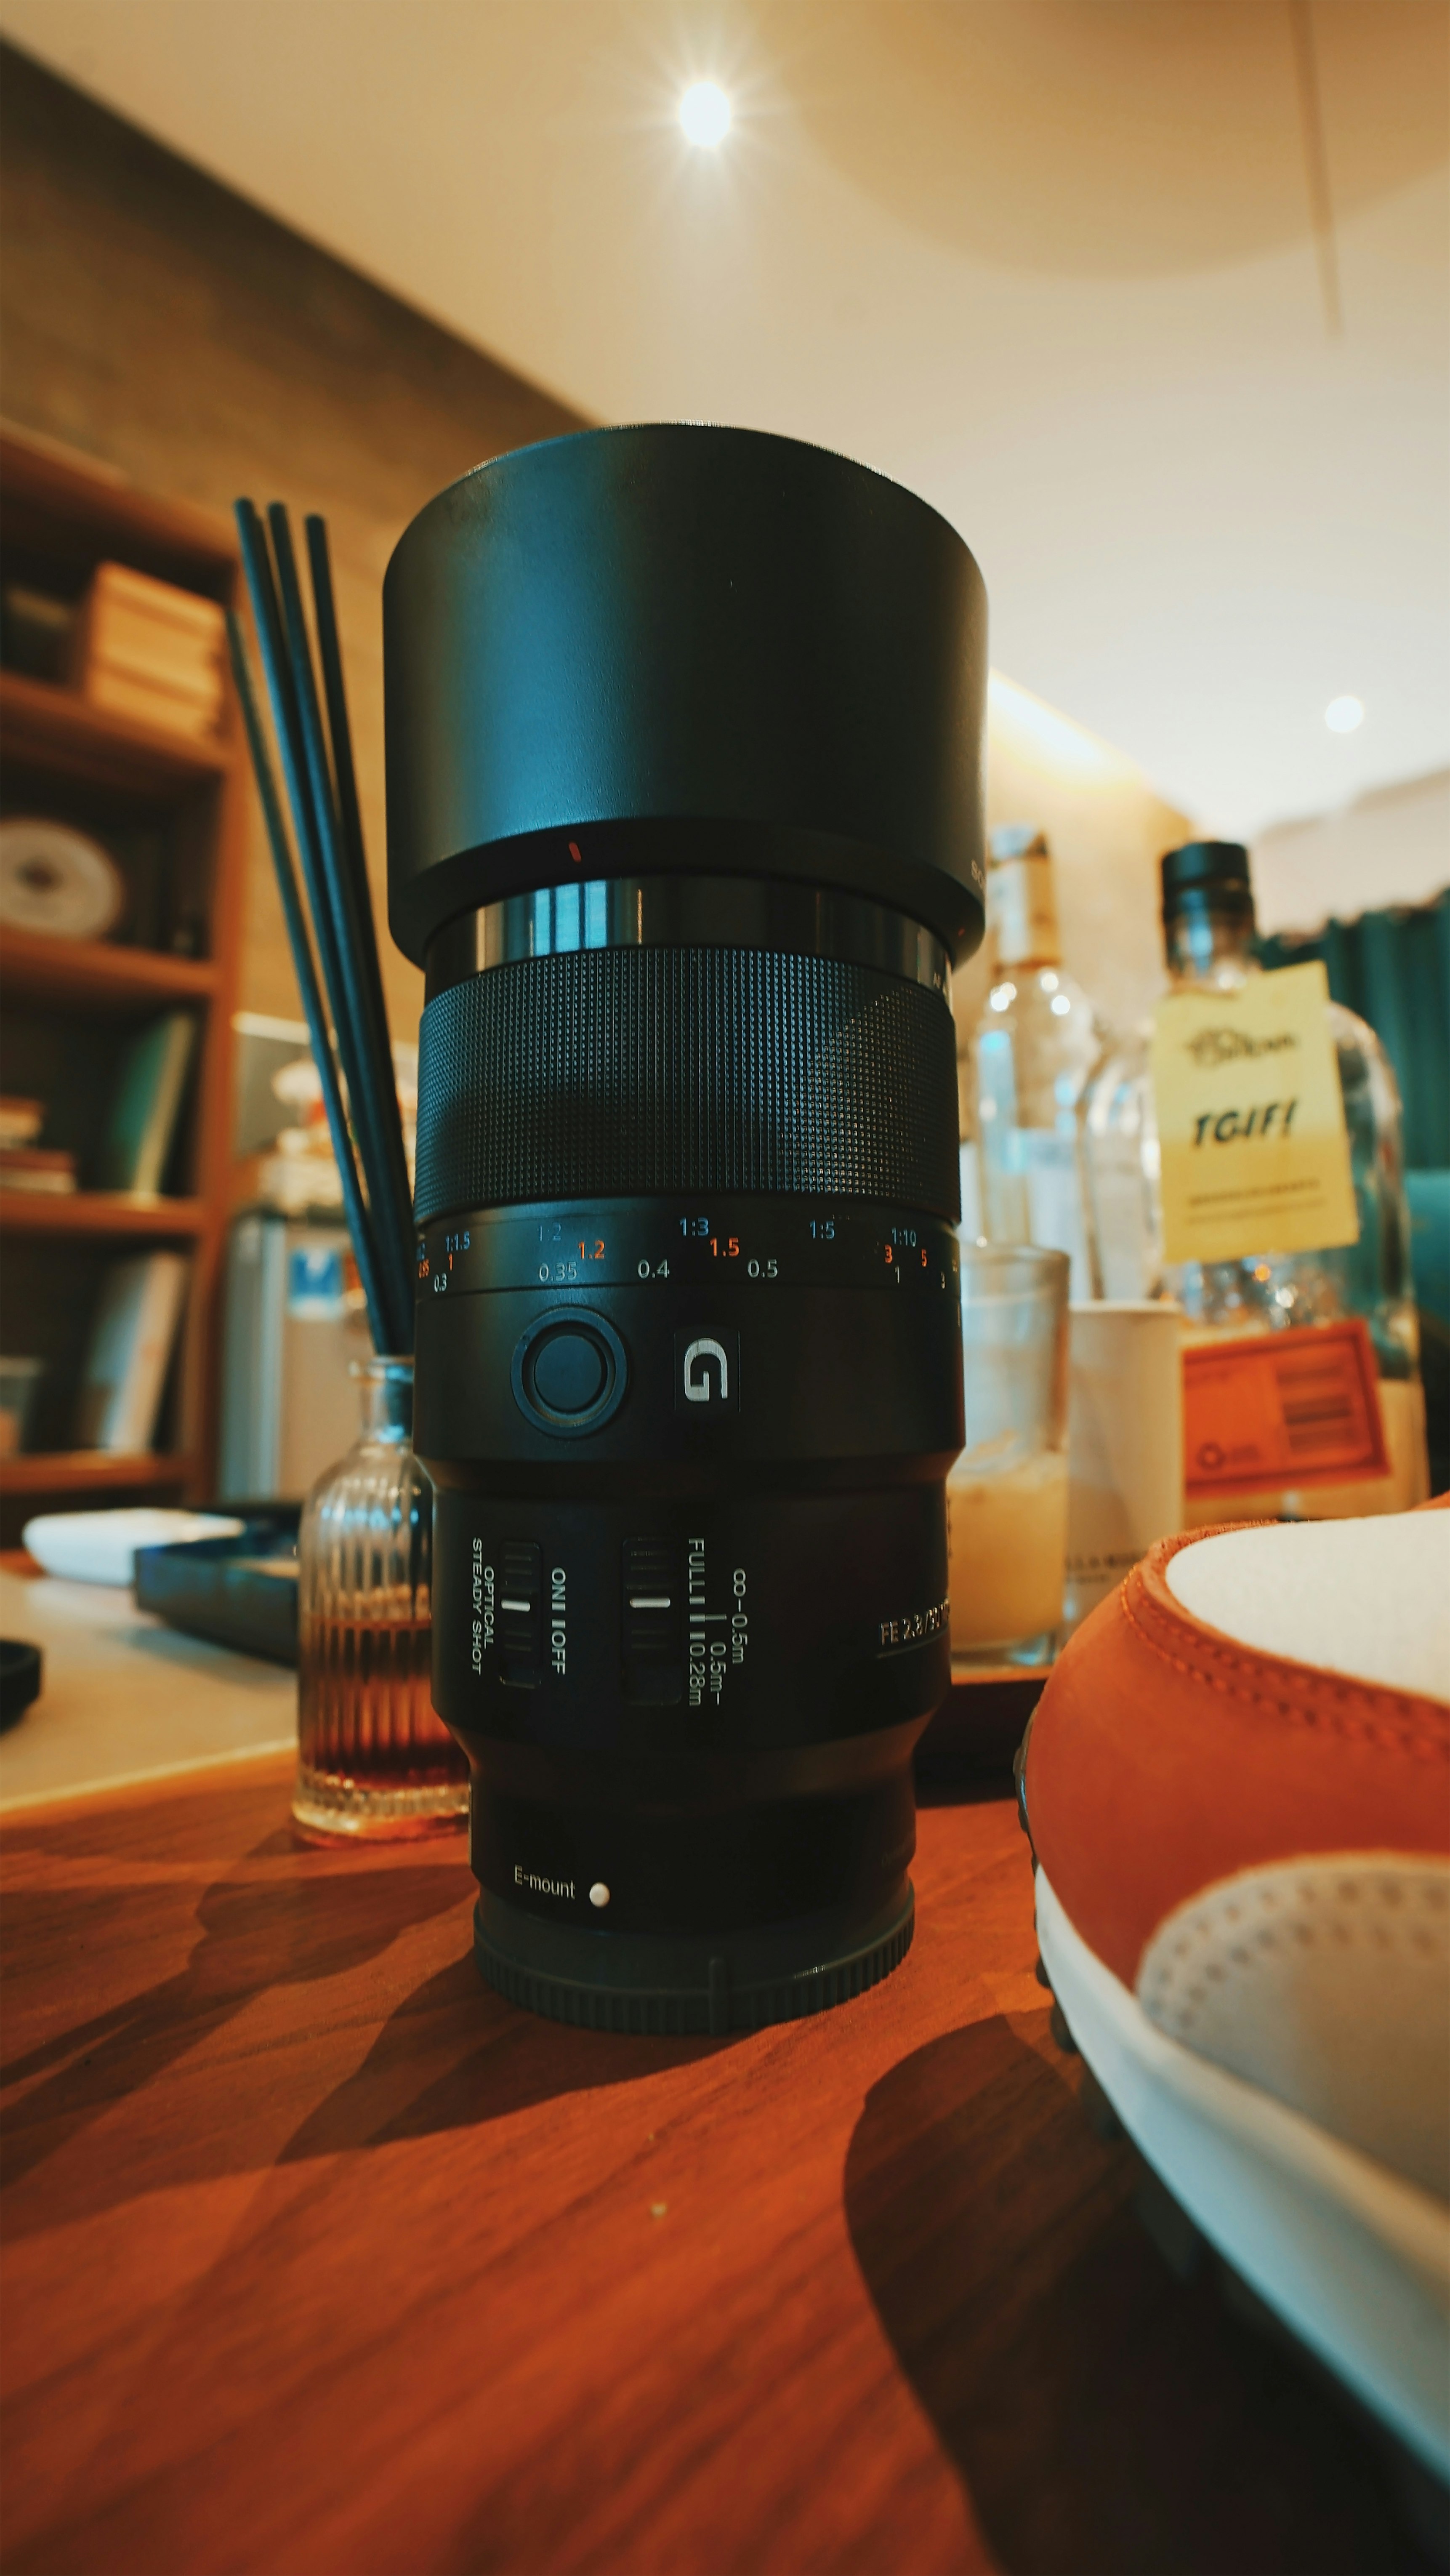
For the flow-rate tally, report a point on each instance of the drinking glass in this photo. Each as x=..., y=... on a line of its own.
x=1124, y=1442
x=1007, y=1494
x=374, y=1760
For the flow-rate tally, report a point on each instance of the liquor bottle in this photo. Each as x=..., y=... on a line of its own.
x=1035, y=1045
x=1259, y=1112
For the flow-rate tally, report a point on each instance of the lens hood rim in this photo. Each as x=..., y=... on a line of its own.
x=683, y=649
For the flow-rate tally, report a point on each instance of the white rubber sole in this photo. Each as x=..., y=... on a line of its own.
x=1354, y=2260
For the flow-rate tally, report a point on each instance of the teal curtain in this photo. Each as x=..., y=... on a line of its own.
x=1393, y=967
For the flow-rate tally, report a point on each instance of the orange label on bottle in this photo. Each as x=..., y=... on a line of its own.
x=1264, y=1411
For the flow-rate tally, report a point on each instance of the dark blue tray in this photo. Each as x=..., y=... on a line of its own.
x=239, y=1591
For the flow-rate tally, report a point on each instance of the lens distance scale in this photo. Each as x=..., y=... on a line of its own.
x=700, y=1242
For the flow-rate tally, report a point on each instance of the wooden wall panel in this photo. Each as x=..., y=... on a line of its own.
x=156, y=321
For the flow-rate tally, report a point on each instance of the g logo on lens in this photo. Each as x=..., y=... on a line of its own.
x=707, y=1372
x=697, y=1374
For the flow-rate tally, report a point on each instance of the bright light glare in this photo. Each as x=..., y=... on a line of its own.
x=705, y=113
x=1061, y=1005
x=1344, y=715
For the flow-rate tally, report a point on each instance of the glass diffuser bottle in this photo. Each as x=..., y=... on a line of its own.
x=375, y=1762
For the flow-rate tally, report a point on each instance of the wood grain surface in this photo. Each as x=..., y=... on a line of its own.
x=319, y=2257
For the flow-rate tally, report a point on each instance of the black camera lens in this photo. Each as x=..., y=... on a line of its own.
x=684, y=825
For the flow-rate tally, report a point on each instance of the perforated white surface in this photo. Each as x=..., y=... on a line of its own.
x=1326, y=1981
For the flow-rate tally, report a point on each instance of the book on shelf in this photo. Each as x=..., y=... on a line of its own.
x=20, y=1120
x=178, y=661
x=144, y=648
x=35, y=632
x=132, y=1338
x=146, y=1105
x=122, y=693
x=48, y=1171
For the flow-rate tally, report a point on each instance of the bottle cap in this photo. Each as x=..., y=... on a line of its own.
x=1214, y=874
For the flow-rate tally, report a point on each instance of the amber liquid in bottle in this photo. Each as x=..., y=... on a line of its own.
x=365, y=1713
x=375, y=1762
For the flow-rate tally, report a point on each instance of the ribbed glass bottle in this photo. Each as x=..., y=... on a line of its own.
x=374, y=1760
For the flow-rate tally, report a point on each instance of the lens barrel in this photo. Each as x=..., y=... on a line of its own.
x=684, y=821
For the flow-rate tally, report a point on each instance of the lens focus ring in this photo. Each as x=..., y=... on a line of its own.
x=619, y=1072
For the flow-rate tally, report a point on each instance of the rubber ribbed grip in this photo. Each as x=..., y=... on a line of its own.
x=619, y=1072
x=675, y=2012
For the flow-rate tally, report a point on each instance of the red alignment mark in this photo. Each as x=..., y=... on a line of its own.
x=574, y=854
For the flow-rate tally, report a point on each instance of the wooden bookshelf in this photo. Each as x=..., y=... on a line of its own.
x=60, y=515
x=99, y=1212
x=102, y=1472
x=90, y=970
x=56, y=732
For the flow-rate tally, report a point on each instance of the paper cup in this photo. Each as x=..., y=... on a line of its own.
x=1124, y=1443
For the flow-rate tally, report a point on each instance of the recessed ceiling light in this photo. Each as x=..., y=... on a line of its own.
x=705, y=113
x=1344, y=715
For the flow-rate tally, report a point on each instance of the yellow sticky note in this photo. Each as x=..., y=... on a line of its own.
x=1251, y=1120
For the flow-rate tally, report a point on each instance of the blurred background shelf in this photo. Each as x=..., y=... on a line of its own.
x=35, y=967
x=103, y=1472
x=171, y=812
x=55, y=731
x=99, y=1212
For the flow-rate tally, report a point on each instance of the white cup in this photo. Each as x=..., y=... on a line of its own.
x=1124, y=1443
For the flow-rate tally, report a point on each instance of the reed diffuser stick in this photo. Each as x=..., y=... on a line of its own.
x=351, y=845
x=366, y=1056
x=379, y=1321
x=392, y=1262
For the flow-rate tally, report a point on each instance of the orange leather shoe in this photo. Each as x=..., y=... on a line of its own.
x=1237, y=1787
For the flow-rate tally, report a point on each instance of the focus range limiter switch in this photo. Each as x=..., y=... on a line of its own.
x=653, y=1622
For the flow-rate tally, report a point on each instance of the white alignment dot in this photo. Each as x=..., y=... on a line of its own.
x=705, y=113
x=599, y=1893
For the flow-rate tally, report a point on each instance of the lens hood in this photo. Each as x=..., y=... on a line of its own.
x=681, y=649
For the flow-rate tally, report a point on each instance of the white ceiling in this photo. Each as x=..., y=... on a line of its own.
x=1053, y=263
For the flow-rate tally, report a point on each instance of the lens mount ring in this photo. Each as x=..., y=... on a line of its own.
x=553, y=1372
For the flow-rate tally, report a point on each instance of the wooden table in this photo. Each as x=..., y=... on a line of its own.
x=124, y=1698
x=319, y=2257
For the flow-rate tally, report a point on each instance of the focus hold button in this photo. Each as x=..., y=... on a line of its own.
x=569, y=1372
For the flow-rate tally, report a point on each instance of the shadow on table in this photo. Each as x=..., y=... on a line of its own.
x=451, y=2054
x=455, y=2055
x=1104, y=2415
x=258, y=1932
